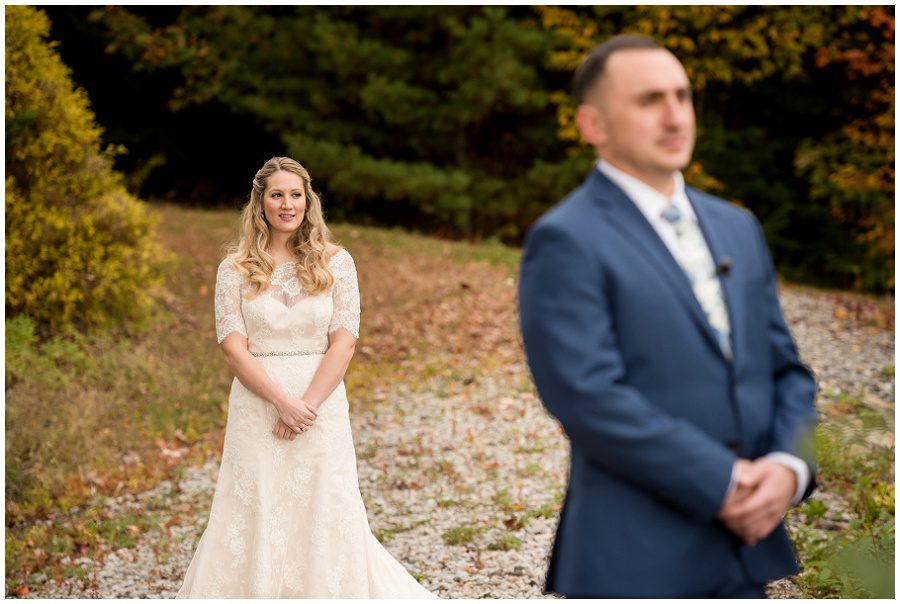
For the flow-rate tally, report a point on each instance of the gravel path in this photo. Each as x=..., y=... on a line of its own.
x=465, y=489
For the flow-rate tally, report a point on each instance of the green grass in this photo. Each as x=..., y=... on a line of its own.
x=490, y=250
x=41, y=547
x=77, y=572
x=79, y=404
x=449, y=503
x=386, y=534
x=461, y=535
x=523, y=450
x=506, y=543
x=532, y=469
x=517, y=522
x=370, y=451
x=504, y=501
x=848, y=555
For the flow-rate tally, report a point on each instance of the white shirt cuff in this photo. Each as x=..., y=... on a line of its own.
x=735, y=476
x=800, y=469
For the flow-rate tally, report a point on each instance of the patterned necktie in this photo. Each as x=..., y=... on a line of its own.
x=700, y=270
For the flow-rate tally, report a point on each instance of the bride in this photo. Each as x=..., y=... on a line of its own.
x=287, y=518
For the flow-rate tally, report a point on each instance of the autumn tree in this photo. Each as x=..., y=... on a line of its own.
x=795, y=120
x=79, y=249
x=852, y=169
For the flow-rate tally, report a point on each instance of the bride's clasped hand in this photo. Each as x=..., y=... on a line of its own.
x=295, y=416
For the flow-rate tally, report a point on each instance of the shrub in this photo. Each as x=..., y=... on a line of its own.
x=79, y=249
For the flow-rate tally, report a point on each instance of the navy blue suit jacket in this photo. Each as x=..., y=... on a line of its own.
x=624, y=357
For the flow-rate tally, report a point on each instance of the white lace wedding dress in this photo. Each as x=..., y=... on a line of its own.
x=287, y=518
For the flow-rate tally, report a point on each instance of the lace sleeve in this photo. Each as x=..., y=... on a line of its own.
x=345, y=294
x=228, y=301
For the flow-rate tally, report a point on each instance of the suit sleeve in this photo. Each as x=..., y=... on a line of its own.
x=568, y=330
x=795, y=414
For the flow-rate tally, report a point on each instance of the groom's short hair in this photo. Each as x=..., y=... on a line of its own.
x=591, y=69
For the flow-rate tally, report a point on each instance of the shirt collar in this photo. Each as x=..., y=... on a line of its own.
x=648, y=200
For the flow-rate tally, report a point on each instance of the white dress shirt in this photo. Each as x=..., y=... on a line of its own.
x=651, y=203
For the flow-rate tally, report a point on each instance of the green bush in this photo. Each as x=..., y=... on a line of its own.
x=79, y=249
x=848, y=552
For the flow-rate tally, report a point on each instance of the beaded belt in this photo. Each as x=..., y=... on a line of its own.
x=288, y=353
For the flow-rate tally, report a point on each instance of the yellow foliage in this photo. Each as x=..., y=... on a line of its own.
x=79, y=249
x=698, y=178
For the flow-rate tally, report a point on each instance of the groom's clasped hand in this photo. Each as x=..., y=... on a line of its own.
x=758, y=503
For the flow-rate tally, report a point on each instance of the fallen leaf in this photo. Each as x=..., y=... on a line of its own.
x=130, y=458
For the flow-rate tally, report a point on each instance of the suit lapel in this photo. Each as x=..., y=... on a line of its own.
x=631, y=222
x=720, y=246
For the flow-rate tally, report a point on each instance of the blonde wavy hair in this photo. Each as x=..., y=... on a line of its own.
x=310, y=243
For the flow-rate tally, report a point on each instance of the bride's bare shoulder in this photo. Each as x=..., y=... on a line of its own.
x=332, y=249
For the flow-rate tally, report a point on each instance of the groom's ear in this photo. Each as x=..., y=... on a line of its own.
x=591, y=125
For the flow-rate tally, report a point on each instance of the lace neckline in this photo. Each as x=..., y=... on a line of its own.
x=279, y=265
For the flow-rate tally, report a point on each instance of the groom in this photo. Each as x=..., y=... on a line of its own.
x=653, y=331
